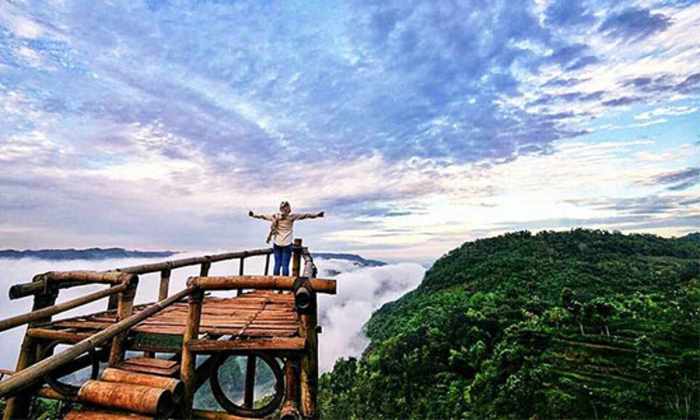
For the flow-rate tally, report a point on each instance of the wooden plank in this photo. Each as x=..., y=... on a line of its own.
x=258, y=282
x=271, y=344
x=57, y=335
x=152, y=362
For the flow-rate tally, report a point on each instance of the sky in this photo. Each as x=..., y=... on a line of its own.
x=415, y=125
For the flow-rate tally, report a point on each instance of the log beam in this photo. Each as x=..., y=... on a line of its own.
x=47, y=312
x=258, y=282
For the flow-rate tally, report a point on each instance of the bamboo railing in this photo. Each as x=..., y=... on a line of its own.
x=123, y=282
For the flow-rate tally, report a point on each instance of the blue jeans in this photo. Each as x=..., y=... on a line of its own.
x=283, y=254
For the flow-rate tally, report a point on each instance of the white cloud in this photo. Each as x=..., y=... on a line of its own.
x=666, y=111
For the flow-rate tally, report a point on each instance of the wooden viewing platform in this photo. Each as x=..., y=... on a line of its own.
x=270, y=320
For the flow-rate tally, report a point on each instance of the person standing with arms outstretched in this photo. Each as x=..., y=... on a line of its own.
x=281, y=234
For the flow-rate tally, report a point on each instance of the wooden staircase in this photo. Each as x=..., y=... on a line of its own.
x=145, y=387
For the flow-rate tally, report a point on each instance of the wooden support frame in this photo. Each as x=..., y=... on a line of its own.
x=296, y=257
x=125, y=308
x=309, y=361
x=249, y=394
x=164, y=286
x=18, y=406
x=26, y=377
x=290, y=407
x=189, y=358
x=299, y=352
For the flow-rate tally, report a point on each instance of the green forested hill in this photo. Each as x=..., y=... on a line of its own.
x=580, y=324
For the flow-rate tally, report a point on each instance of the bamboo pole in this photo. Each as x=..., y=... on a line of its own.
x=18, y=407
x=258, y=282
x=37, y=287
x=188, y=363
x=47, y=312
x=64, y=280
x=132, y=397
x=26, y=377
x=152, y=268
x=267, y=264
x=125, y=308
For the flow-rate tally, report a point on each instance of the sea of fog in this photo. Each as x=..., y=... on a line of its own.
x=361, y=290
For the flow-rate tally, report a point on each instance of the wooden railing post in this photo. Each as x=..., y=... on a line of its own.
x=18, y=407
x=204, y=269
x=240, y=273
x=125, y=307
x=164, y=284
x=309, y=362
x=296, y=257
x=290, y=407
x=189, y=359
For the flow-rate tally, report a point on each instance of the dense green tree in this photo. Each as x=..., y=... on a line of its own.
x=579, y=324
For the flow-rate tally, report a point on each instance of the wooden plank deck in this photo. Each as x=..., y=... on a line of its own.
x=253, y=315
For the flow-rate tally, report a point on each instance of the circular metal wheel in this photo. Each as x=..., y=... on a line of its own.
x=54, y=380
x=248, y=409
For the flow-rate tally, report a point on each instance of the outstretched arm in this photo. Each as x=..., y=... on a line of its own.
x=302, y=216
x=260, y=216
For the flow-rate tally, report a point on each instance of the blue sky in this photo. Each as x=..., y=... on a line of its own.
x=414, y=125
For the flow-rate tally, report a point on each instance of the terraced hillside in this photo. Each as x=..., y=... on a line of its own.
x=580, y=324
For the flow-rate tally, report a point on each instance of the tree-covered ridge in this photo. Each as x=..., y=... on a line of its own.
x=580, y=324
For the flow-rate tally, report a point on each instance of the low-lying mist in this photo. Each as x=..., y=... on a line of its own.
x=361, y=290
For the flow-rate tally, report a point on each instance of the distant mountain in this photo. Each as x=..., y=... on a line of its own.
x=350, y=257
x=82, y=254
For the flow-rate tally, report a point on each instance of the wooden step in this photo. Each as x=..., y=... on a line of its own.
x=175, y=386
x=128, y=397
x=153, y=366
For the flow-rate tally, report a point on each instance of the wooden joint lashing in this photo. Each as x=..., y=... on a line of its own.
x=303, y=295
